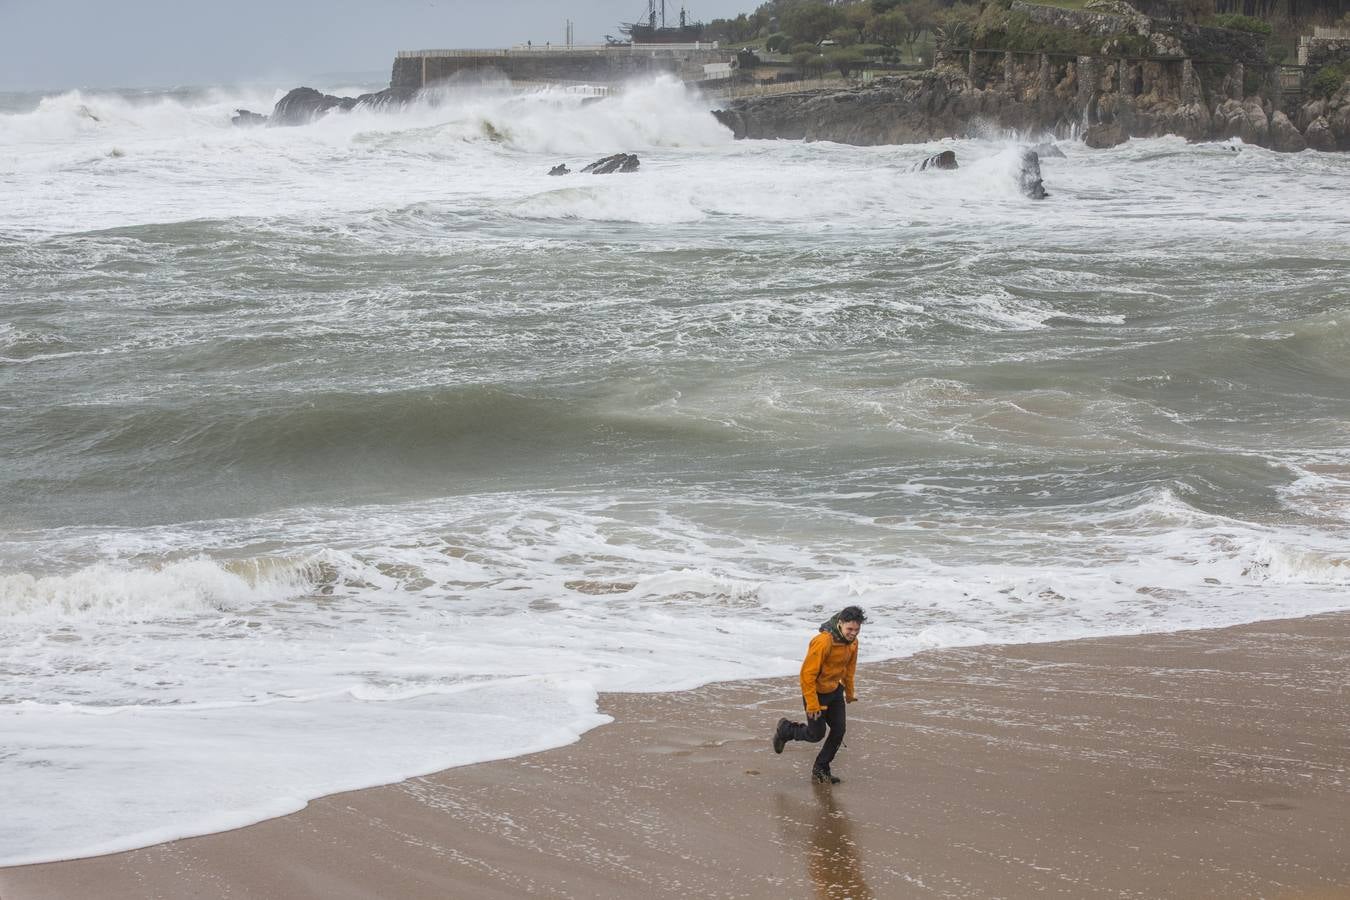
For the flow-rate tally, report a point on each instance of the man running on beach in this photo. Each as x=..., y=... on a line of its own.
x=827, y=684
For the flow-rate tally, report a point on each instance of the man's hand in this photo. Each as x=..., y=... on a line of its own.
x=811, y=716
x=851, y=699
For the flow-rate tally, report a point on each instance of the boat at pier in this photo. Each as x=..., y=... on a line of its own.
x=655, y=30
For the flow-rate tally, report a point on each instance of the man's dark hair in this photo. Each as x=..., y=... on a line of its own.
x=852, y=614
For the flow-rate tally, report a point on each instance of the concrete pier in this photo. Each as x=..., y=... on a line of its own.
x=595, y=64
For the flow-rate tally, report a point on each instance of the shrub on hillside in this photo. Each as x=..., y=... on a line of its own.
x=810, y=64
x=844, y=37
x=1235, y=22
x=1328, y=80
x=998, y=29
x=846, y=60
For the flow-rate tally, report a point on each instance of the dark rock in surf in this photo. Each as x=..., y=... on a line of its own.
x=1104, y=135
x=1029, y=176
x=619, y=162
x=560, y=169
x=244, y=118
x=1048, y=150
x=304, y=104
x=944, y=160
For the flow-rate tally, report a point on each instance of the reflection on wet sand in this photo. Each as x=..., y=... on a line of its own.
x=824, y=833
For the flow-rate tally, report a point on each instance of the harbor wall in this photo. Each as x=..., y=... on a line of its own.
x=416, y=69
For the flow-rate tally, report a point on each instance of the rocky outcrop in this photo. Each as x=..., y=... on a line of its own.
x=1140, y=99
x=608, y=165
x=923, y=107
x=944, y=160
x=1245, y=119
x=242, y=118
x=1029, y=176
x=1139, y=71
x=1104, y=135
x=305, y=104
x=619, y=162
x=1284, y=136
x=1325, y=123
x=1339, y=116
x=1318, y=134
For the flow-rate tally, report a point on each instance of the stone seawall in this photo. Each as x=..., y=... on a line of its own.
x=414, y=71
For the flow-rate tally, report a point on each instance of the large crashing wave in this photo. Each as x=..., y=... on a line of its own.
x=660, y=112
x=130, y=160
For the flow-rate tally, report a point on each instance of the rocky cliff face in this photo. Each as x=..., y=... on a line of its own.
x=1325, y=124
x=945, y=103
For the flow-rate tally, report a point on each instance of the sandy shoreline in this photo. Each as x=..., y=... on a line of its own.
x=1200, y=764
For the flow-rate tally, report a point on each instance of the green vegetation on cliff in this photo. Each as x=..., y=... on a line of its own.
x=997, y=26
x=1328, y=80
x=1240, y=23
x=783, y=26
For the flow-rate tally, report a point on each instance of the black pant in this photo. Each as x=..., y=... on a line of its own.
x=814, y=730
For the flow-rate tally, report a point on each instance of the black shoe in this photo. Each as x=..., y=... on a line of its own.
x=780, y=735
x=823, y=776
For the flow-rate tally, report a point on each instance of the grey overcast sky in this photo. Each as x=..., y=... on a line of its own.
x=164, y=43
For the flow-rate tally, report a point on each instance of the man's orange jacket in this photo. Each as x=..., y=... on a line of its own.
x=827, y=664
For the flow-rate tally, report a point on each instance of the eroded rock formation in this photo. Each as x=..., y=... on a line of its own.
x=1115, y=101
x=619, y=162
x=1029, y=176
x=305, y=104
x=944, y=160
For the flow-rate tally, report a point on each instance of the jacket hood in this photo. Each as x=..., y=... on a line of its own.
x=831, y=625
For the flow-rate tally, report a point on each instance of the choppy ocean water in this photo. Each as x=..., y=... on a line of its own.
x=338, y=454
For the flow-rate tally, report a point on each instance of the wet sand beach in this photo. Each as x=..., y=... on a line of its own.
x=1196, y=764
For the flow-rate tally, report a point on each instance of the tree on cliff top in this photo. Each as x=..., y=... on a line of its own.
x=856, y=18
x=923, y=16
x=890, y=29
x=811, y=22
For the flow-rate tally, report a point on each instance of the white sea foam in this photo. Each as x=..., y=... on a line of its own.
x=196, y=695
x=106, y=593
x=163, y=773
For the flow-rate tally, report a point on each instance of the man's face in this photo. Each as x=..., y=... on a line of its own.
x=850, y=629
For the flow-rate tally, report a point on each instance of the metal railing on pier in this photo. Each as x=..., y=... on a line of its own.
x=581, y=88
